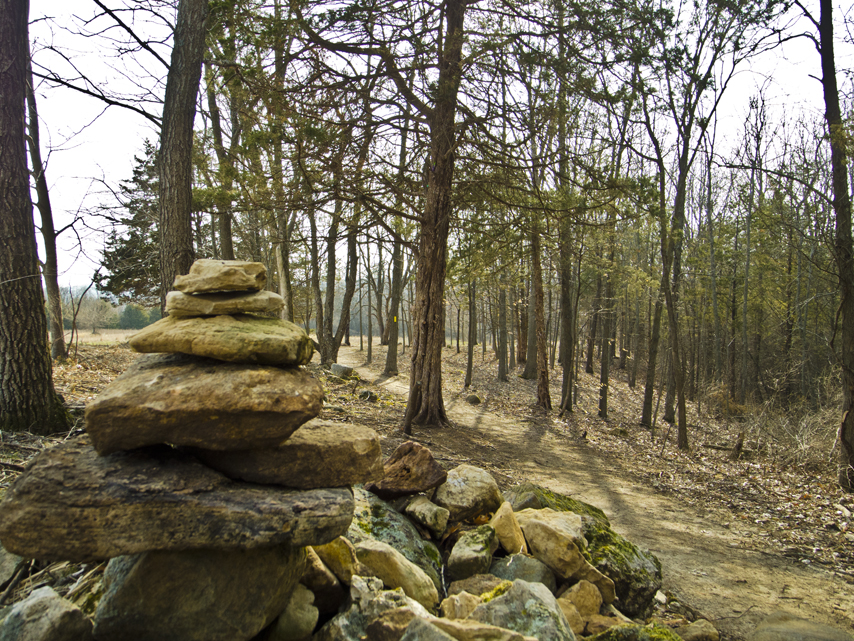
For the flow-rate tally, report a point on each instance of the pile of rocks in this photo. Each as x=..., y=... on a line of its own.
x=200, y=476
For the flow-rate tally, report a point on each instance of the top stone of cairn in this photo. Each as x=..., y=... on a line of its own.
x=208, y=276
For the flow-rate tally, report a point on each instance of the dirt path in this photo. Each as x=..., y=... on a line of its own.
x=707, y=561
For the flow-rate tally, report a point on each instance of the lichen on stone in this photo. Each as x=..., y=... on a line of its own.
x=496, y=592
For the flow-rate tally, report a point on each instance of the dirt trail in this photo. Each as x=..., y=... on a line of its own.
x=706, y=562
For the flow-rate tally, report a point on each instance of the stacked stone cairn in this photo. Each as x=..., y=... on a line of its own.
x=201, y=477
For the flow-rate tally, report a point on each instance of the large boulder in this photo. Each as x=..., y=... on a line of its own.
x=185, y=400
x=373, y=518
x=468, y=492
x=318, y=454
x=782, y=626
x=472, y=553
x=237, y=338
x=181, y=304
x=409, y=470
x=196, y=595
x=212, y=275
x=74, y=505
x=396, y=571
x=527, y=568
x=636, y=573
x=526, y=608
x=45, y=616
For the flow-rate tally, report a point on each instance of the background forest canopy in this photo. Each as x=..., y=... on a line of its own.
x=596, y=179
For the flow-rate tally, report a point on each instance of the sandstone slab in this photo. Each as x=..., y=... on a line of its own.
x=45, y=616
x=585, y=597
x=185, y=400
x=210, y=275
x=472, y=553
x=476, y=585
x=196, y=595
x=428, y=515
x=466, y=630
x=239, y=338
x=340, y=557
x=459, y=606
x=572, y=616
x=396, y=571
x=507, y=530
x=327, y=590
x=468, y=492
x=181, y=304
x=318, y=454
x=409, y=470
x=422, y=630
x=74, y=505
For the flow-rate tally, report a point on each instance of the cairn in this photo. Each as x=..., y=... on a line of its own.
x=202, y=475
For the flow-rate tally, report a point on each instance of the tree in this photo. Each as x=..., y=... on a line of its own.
x=28, y=401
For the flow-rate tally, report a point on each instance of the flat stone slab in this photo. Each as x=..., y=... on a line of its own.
x=71, y=504
x=209, y=275
x=241, y=338
x=185, y=400
x=181, y=304
x=318, y=454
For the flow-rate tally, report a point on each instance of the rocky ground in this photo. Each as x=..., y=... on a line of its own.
x=737, y=539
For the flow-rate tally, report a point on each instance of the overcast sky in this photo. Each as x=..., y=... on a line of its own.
x=87, y=144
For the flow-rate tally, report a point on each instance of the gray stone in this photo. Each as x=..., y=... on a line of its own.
x=476, y=585
x=342, y=371
x=396, y=571
x=473, y=399
x=526, y=608
x=375, y=519
x=238, y=338
x=409, y=470
x=472, y=553
x=181, y=304
x=74, y=505
x=368, y=396
x=781, y=626
x=45, y=616
x=428, y=515
x=699, y=630
x=527, y=568
x=459, y=606
x=467, y=630
x=298, y=620
x=185, y=400
x=9, y=565
x=318, y=454
x=421, y=630
x=211, y=275
x=529, y=495
x=196, y=595
x=468, y=492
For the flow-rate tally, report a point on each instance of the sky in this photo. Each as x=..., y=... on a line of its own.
x=88, y=146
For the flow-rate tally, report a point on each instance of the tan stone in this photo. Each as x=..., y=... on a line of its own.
x=340, y=557
x=572, y=616
x=699, y=630
x=585, y=597
x=459, y=606
x=396, y=571
x=184, y=400
x=599, y=623
x=468, y=492
x=409, y=470
x=428, y=514
x=318, y=454
x=327, y=590
x=210, y=275
x=465, y=630
x=241, y=338
x=181, y=304
x=507, y=530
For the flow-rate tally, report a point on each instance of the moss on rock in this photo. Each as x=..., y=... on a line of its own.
x=651, y=632
x=537, y=497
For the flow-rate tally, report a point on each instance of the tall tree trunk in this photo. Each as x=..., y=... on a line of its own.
x=652, y=361
x=591, y=337
x=176, y=143
x=396, y=292
x=502, y=333
x=51, y=268
x=472, y=334
x=543, y=397
x=530, y=371
x=28, y=401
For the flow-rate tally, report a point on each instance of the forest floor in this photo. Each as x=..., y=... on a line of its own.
x=737, y=539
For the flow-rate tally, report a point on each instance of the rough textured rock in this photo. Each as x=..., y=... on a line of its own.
x=409, y=470
x=459, y=606
x=209, y=275
x=390, y=625
x=428, y=515
x=572, y=616
x=340, y=557
x=507, y=530
x=555, y=539
x=781, y=626
x=466, y=630
x=472, y=553
x=585, y=597
x=652, y=632
x=699, y=630
x=238, y=338
x=375, y=519
x=476, y=585
x=328, y=593
x=75, y=505
x=298, y=620
x=181, y=304
x=45, y=616
x=396, y=571
x=342, y=371
x=636, y=573
x=526, y=608
x=9, y=564
x=196, y=595
x=519, y=566
x=421, y=630
x=185, y=400
x=598, y=623
x=468, y=492
x=318, y=454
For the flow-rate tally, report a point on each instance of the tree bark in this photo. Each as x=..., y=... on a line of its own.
x=176, y=143
x=28, y=401
x=543, y=397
